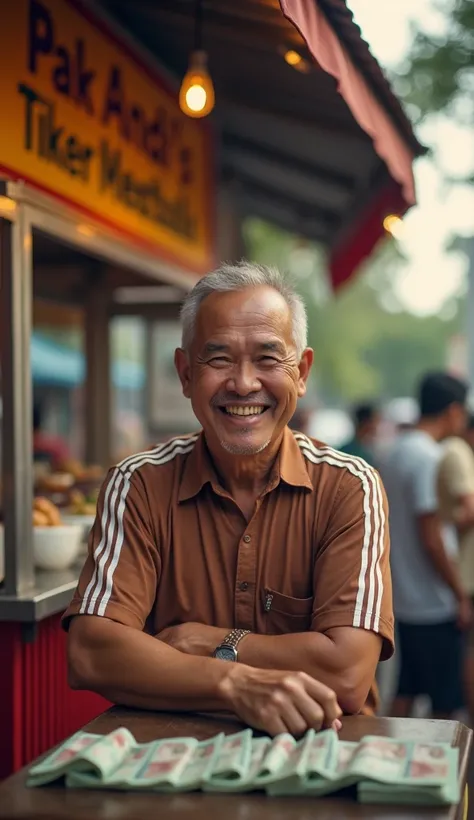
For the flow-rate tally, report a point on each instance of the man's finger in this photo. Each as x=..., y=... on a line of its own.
x=273, y=726
x=326, y=698
x=165, y=637
x=310, y=710
x=294, y=720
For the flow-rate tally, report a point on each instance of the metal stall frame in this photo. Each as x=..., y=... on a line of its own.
x=27, y=596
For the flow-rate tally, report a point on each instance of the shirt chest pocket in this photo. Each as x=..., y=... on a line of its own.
x=283, y=614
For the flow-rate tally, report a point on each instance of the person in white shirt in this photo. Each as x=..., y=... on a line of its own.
x=431, y=605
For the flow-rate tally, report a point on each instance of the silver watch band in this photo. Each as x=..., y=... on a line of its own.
x=234, y=637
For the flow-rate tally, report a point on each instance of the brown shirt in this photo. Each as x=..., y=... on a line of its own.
x=169, y=545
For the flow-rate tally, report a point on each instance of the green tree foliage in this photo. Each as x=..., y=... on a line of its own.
x=440, y=68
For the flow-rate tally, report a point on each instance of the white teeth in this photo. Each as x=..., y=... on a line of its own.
x=244, y=411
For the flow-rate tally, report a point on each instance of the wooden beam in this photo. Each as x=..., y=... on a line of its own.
x=286, y=219
x=304, y=209
x=301, y=112
x=321, y=173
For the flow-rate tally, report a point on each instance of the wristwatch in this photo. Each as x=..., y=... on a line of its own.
x=227, y=650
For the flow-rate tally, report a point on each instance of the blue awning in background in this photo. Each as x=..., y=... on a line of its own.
x=55, y=364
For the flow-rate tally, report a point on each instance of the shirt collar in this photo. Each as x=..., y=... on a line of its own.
x=198, y=471
x=291, y=463
x=290, y=467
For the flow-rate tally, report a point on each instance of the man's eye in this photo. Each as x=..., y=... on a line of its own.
x=219, y=360
x=268, y=359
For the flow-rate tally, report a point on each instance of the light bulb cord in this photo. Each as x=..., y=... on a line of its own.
x=198, y=14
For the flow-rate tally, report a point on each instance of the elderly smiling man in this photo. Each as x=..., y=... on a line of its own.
x=245, y=568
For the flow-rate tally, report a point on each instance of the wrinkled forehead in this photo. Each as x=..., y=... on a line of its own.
x=246, y=313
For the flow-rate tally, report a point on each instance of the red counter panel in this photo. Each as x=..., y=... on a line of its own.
x=37, y=707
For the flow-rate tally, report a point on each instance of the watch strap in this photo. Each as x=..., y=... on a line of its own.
x=234, y=637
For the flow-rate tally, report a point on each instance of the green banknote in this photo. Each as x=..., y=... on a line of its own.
x=383, y=769
x=233, y=762
x=99, y=755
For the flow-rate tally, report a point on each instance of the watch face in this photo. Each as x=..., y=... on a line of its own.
x=226, y=653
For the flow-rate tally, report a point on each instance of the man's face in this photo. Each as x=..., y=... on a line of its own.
x=369, y=430
x=242, y=373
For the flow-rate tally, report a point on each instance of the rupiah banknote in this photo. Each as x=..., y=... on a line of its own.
x=382, y=769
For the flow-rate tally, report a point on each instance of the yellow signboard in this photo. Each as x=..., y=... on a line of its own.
x=85, y=119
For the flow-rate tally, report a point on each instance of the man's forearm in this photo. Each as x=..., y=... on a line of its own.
x=443, y=564
x=132, y=668
x=311, y=652
x=448, y=571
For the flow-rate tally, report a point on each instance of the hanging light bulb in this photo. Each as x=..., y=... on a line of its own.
x=196, y=95
x=394, y=225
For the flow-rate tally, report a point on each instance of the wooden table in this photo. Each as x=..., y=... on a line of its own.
x=58, y=803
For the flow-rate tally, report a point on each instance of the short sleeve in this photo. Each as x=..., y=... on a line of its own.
x=121, y=574
x=456, y=471
x=424, y=484
x=352, y=582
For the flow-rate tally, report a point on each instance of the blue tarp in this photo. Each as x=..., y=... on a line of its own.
x=55, y=364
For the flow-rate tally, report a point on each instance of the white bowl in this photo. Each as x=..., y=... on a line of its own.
x=56, y=547
x=84, y=521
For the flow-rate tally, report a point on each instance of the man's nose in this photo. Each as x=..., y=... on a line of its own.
x=243, y=380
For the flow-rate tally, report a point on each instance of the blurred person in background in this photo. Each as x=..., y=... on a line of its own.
x=366, y=418
x=430, y=603
x=456, y=494
x=402, y=414
x=48, y=449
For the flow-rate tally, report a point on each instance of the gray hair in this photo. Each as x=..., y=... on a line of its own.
x=239, y=277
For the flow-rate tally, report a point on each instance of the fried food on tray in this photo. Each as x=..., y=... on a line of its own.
x=45, y=513
x=55, y=482
x=80, y=504
x=82, y=472
x=40, y=519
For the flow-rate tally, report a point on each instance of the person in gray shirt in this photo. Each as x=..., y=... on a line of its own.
x=431, y=607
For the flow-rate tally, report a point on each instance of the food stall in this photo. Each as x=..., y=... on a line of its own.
x=89, y=206
x=107, y=203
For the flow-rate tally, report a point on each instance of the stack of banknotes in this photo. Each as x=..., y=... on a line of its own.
x=381, y=769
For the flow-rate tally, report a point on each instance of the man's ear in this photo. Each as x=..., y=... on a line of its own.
x=304, y=368
x=181, y=363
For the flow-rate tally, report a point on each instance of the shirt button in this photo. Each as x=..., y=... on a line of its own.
x=243, y=586
x=247, y=539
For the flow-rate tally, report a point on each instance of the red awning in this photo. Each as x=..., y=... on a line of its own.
x=399, y=192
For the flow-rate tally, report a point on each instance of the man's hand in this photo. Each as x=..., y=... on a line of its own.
x=276, y=701
x=193, y=638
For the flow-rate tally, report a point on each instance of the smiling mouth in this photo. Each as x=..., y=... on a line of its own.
x=243, y=410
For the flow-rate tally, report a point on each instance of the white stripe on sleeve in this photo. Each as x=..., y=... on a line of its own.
x=373, y=543
x=111, y=541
